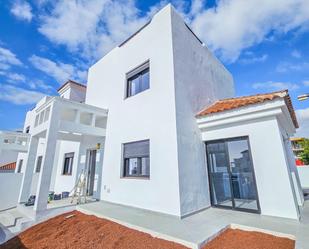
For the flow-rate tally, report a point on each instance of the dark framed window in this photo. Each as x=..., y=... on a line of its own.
x=68, y=163
x=20, y=165
x=138, y=80
x=136, y=160
x=38, y=164
x=27, y=130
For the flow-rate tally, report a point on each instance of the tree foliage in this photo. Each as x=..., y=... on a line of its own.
x=304, y=155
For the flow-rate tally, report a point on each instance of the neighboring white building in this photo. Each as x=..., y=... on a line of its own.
x=135, y=129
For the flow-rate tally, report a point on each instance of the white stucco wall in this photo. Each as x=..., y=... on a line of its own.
x=65, y=182
x=147, y=115
x=303, y=172
x=11, y=182
x=7, y=156
x=29, y=121
x=200, y=79
x=73, y=92
x=290, y=160
x=276, y=197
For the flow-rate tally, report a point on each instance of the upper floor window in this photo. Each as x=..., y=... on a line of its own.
x=138, y=80
x=27, y=130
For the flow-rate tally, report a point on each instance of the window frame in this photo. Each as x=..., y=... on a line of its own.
x=137, y=71
x=39, y=159
x=70, y=169
x=20, y=165
x=124, y=159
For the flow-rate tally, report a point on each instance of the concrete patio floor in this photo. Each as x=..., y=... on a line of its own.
x=194, y=230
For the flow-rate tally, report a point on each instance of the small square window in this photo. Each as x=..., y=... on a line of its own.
x=68, y=164
x=136, y=159
x=138, y=80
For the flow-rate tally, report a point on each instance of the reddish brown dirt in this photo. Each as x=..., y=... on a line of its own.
x=85, y=231
x=238, y=239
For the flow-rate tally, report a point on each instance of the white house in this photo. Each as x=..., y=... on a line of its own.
x=138, y=132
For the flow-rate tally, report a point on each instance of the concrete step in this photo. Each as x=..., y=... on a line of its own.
x=12, y=222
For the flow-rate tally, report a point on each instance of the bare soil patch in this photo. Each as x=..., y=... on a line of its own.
x=239, y=239
x=85, y=231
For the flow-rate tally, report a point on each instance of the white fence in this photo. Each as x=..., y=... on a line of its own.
x=303, y=172
x=9, y=189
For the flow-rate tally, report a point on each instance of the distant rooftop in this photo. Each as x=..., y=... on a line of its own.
x=71, y=82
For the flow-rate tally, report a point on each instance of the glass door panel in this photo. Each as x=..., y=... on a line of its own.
x=243, y=181
x=231, y=175
x=219, y=174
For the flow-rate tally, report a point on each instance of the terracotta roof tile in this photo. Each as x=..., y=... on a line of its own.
x=9, y=166
x=233, y=103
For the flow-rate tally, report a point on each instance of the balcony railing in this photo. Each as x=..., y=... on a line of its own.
x=73, y=117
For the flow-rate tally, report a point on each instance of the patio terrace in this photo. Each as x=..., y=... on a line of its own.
x=194, y=231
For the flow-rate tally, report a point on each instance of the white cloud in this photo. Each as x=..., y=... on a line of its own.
x=303, y=120
x=234, y=25
x=306, y=82
x=296, y=54
x=250, y=58
x=16, y=77
x=19, y=96
x=8, y=58
x=35, y=84
x=284, y=67
x=22, y=10
x=275, y=86
x=92, y=27
x=58, y=70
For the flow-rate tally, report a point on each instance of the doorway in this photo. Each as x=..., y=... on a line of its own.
x=92, y=154
x=231, y=175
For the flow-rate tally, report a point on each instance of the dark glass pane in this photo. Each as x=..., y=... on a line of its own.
x=145, y=80
x=134, y=86
x=138, y=83
x=243, y=183
x=219, y=174
x=68, y=164
x=137, y=167
x=38, y=164
x=20, y=166
x=145, y=166
x=132, y=167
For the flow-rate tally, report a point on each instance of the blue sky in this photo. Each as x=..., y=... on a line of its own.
x=264, y=44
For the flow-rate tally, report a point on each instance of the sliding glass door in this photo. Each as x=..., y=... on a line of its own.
x=231, y=174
